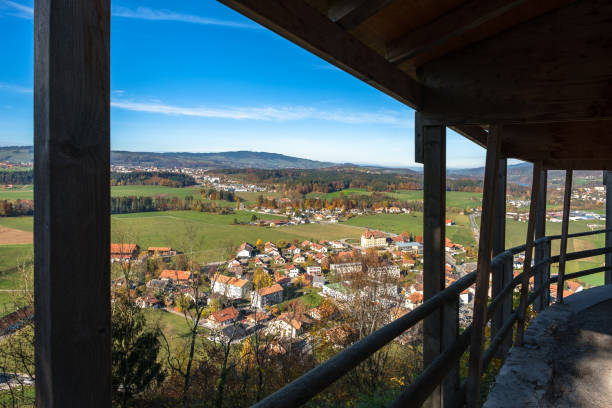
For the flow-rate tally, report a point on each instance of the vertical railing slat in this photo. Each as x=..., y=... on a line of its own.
x=484, y=261
x=434, y=213
x=567, y=197
x=540, y=278
x=535, y=189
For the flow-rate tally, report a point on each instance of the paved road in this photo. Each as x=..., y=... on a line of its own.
x=475, y=229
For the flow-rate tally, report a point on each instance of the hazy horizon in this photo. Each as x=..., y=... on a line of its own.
x=201, y=77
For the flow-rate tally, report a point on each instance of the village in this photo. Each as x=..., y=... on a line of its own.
x=256, y=288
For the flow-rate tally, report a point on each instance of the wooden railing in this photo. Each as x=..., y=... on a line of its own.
x=316, y=380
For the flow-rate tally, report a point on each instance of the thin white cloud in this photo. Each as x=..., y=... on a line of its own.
x=14, y=88
x=144, y=13
x=395, y=118
x=18, y=9
x=326, y=67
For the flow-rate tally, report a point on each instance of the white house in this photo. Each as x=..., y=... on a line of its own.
x=245, y=250
x=293, y=271
x=270, y=295
x=233, y=288
x=313, y=270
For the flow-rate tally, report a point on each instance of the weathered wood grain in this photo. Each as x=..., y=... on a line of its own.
x=485, y=244
x=556, y=67
x=72, y=195
x=350, y=13
x=434, y=214
x=448, y=26
x=567, y=198
x=533, y=205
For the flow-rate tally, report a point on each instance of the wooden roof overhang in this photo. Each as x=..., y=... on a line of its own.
x=542, y=68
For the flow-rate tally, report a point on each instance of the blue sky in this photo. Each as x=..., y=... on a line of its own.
x=197, y=76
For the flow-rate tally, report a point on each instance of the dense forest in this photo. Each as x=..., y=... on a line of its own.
x=167, y=179
x=330, y=180
x=16, y=208
x=132, y=204
x=17, y=177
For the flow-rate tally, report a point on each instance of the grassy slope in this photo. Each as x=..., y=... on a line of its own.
x=10, y=256
x=214, y=234
x=516, y=232
x=453, y=198
x=413, y=223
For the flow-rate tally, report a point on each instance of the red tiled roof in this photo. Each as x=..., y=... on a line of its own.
x=224, y=315
x=122, y=248
x=226, y=280
x=373, y=234
x=270, y=289
x=160, y=249
x=415, y=297
x=175, y=275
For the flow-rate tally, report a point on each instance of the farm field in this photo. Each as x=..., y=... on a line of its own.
x=457, y=199
x=397, y=223
x=516, y=232
x=25, y=192
x=10, y=277
x=212, y=236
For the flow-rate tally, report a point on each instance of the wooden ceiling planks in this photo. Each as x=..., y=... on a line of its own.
x=555, y=68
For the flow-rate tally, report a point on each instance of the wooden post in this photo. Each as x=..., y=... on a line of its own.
x=484, y=262
x=499, y=278
x=433, y=145
x=540, y=278
x=533, y=205
x=72, y=195
x=608, y=264
x=567, y=198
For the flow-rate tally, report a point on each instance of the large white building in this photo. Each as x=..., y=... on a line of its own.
x=231, y=287
x=373, y=239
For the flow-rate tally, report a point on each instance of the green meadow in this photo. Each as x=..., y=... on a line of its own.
x=212, y=236
x=397, y=223
x=458, y=199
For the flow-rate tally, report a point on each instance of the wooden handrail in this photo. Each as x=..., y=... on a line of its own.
x=316, y=380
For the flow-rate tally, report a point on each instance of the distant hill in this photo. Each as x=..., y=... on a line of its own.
x=521, y=173
x=239, y=159
x=17, y=154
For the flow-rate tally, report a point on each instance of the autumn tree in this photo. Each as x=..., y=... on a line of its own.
x=261, y=279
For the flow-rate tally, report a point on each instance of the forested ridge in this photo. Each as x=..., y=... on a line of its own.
x=167, y=179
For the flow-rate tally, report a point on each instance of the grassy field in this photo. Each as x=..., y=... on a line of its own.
x=212, y=234
x=10, y=278
x=19, y=223
x=517, y=231
x=397, y=223
x=27, y=192
x=19, y=192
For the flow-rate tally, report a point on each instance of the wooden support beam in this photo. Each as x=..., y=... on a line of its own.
x=542, y=276
x=499, y=277
x=72, y=195
x=302, y=24
x=560, y=142
x=608, y=182
x=494, y=80
x=434, y=215
x=451, y=25
x=567, y=198
x=472, y=132
x=533, y=205
x=349, y=14
x=479, y=319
